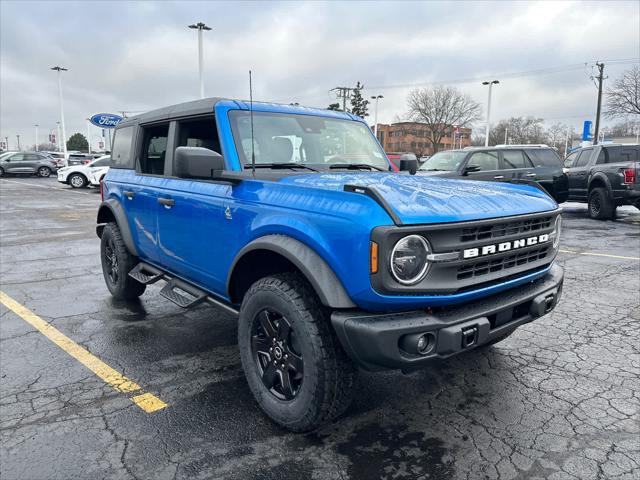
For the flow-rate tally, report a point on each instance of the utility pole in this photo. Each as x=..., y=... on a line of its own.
x=600, y=78
x=200, y=27
x=64, y=135
x=342, y=92
x=486, y=137
x=375, y=115
x=36, y=148
x=18, y=137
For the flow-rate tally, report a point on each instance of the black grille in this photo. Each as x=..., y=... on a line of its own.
x=477, y=269
x=497, y=230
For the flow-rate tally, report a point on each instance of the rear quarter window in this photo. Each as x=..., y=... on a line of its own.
x=621, y=154
x=121, y=155
x=544, y=157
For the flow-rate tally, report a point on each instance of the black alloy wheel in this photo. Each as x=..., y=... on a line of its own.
x=111, y=263
x=277, y=354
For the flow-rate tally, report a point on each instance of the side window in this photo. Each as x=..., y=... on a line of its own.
x=602, y=156
x=32, y=157
x=570, y=160
x=121, y=150
x=484, y=160
x=18, y=157
x=584, y=158
x=514, y=159
x=154, y=149
x=622, y=154
x=544, y=157
x=201, y=132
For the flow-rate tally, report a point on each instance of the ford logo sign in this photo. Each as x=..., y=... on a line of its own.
x=106, y=120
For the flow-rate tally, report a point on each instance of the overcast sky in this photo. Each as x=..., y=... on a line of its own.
x=137, y=56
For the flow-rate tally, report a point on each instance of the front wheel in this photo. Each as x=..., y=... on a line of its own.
x=44, y=172
x=293, y=361
x=77, y=180
x=117, y=262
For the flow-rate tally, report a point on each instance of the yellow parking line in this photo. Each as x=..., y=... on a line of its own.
x=146, y=401
x=600, y=255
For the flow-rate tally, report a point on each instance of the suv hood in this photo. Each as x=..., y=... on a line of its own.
x=427, y=199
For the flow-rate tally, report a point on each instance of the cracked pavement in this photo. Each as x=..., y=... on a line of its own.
x=559, y=399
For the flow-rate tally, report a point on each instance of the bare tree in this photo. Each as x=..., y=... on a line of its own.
x=520, y=130
x=624, y=97
x=439, y=108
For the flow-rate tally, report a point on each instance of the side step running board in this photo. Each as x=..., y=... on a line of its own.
x=182, y=294
x=145, y=273
x=176, y=290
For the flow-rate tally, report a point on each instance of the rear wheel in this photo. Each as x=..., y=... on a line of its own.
x=293, y=361
x=44, y=172
x=117, y=262
x=601, y=207
x=77, y=180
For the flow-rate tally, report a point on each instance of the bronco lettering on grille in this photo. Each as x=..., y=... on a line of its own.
x=504, y=246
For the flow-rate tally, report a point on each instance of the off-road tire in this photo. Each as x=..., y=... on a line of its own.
x=44, y=172
x=328, y=374
x=122, y=286
x=81, y=181
x=601, y=206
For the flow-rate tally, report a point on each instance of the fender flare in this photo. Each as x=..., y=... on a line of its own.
x=116, y=210
x=602, y=177
x=319, y=274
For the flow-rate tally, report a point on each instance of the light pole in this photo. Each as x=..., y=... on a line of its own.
x=88, y=135
x=36, y=125
x=58, y=137
x=18, y=137
x=375, y=115
x=64, y=135
x=486, y=137
x=200, y=27
x=6, y=141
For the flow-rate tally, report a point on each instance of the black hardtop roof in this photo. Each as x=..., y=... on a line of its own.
x=185, y=109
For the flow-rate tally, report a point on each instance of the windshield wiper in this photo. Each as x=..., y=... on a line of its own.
x=280, y=165
x=356, y=166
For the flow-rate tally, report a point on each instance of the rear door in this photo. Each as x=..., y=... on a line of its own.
x=547, y=167
x=488, y=163
x=516, y=165
x=31, y=162
x=578, y=175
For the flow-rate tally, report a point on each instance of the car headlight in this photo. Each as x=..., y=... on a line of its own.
x=409, y=263
x=557, y=229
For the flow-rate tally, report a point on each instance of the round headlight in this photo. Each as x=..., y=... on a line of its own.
x=409, y=262
x=557, y=229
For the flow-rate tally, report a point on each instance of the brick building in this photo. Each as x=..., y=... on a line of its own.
x=413, y=137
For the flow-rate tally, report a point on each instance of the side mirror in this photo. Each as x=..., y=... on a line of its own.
x=408, y=163
x=471, y=169
x=196, y=162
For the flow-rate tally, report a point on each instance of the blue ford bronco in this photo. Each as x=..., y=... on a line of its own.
x=291, y=219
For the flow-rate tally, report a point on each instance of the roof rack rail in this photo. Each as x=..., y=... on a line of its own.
x=524, y=145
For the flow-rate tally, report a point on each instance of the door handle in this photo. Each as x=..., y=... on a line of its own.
x=129, y=194
x=499, y=177
x=530, y=175
x=167, y=202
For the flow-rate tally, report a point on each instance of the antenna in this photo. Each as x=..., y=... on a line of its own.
x=253, y=146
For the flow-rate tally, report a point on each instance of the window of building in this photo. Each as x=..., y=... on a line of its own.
x=154, y=149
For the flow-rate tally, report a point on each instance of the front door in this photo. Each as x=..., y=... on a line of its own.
x=16, y=163
x=578, y=175
x=489, y=166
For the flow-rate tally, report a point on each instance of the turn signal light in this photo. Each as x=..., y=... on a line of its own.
x=373, y=257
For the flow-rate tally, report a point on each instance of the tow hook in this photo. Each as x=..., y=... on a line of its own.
x=469, y=337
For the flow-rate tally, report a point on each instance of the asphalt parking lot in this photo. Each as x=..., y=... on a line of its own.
x=558, y=399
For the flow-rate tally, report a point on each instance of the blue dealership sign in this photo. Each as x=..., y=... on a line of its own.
x=586, y=131
x=106, y=120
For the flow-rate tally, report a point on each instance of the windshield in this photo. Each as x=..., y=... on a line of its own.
x=448, y=161
x=306, y=140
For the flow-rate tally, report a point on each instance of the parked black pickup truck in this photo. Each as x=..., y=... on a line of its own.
x=605, y=176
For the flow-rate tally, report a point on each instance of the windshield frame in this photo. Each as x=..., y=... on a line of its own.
x=245, y=163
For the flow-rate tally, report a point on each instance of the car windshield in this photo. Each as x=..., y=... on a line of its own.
x=446, y=161
x=306, y=141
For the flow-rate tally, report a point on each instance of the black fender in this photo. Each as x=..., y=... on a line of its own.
x=319, y=274
x=603, y=178
x=109, y=211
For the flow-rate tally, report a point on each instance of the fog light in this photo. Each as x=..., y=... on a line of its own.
x=418, y=343
x=423, y=343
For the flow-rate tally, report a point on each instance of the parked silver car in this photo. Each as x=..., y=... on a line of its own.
x=33, y=163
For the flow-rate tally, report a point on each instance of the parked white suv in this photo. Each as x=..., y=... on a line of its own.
x=80, y=176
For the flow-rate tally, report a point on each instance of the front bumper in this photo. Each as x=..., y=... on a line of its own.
x=378, y=341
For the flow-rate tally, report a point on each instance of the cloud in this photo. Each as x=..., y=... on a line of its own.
x=140, y=55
